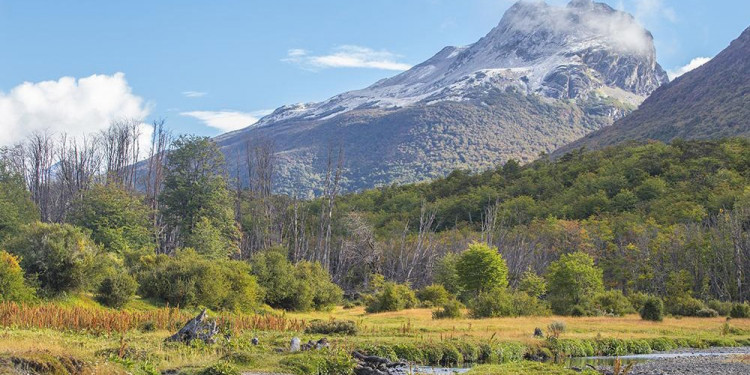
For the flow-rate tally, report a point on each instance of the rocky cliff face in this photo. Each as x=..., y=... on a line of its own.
x=712, y=101
x=543, y=77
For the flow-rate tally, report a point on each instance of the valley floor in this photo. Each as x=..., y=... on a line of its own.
x=143, y=351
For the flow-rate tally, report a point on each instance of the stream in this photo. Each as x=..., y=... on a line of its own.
x=581, y=362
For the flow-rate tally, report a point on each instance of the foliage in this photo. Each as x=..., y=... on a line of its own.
x=117, y=289
x=13, y=286
x=481, y=268
x=446, y=275
x=555, y=329
x=707, y=313
x=327, y=362
x=16, y=206
x=612, y=302
x=684, y=306
x=116, y=217
x=195, y=196
x=59, y=256
x=740, y=310
x=533, y=284
x=392, y=297
x=722, y=308
x=187, y=279
x=573, y=280
x=653, y=309
x=449, y=310
x=294, y=287
x=340, y=327
x=433, y=295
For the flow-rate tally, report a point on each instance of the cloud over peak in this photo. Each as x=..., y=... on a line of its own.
x=227, y=120
x=346, y=56
x=694, y=63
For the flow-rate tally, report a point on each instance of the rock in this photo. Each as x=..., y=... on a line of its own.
x=254, y=341
x=294, y=346
x=538, y=332
x=322, y=343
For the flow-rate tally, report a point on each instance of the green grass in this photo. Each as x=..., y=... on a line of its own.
x=525, y=368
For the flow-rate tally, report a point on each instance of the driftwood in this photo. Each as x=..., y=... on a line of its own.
x=196, y=329
x=374, y=365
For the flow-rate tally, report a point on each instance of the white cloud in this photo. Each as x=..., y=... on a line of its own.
x=68, y=105
x=347, y=56
x=227, y=121
x=648, y=11
x=694, y=63
x=194, y=94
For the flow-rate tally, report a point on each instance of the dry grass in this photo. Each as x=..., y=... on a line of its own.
x=419, y=322
x=106, y=321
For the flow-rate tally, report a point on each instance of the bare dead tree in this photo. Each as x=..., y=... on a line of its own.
x=156, y=164
x=330, y=192
x=121, y=149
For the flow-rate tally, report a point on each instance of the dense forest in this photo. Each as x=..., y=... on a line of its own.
x=588, y=233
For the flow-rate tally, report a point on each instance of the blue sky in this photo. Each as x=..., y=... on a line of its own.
x=220, y=63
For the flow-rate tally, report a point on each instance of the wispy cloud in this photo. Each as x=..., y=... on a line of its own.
x=694, y=63
x=227, y=120
x=194, y=94
x=648, y=11
x=75, y=106
x=346, y=56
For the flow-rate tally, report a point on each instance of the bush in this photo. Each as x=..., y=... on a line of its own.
x=13, y=286
x=612, y=302
x=408, y=352
x=59, y=256
x=187, y=280
x=481, y=268
x=528, y=305
x=340, y=327
x=450, y=310
x=433, y=295
x=533, y=284
x=432, y=353
x=493, y=303
x=740, y=310
x=451, y=355
x=723, y=308
x=653, y=310
x=638, y=299
x=300, y=287
x=445, y=273
x=707, y=313
x=392, y=297
x=117, y=289
x=221, y=368
x=573, y=280
x=555, y=329
x=684, y=306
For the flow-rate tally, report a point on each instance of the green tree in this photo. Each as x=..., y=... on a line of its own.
x=533, y=284
x=481, y=268
x=195, y=190
x=16, y=206
x=445, y=273
x=13, y=286
x=60, y=256
x=117, y=218
x=573, y=280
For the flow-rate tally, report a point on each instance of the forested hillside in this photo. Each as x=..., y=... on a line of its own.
x=655, y=218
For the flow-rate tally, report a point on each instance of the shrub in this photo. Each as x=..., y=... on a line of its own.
x=723, y=308
x=638, y=299
x=528, y=305
x=445, y=273
x=59, y=256
x=662, y=344
x=572, y=280
x=340, y=327
x=684, y=306
x=432, y=352
x=707, y=313
x=392, y=297
x=433, y=295
x=450, y=310
x=578, y=311
x=13, y=286
x=408, y=352
x=493, y=303
x=653, y=309
x=555, y=329
x=469, y=351
x=612, y=302
x=533, y=284
x=188, y=279
x=220, y=368
x=117, y=289
x=451, y=355
x=300, y=287
x=740, y=310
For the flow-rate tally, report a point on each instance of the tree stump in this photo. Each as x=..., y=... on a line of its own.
x=196, y=329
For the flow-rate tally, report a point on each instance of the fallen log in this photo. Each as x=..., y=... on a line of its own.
x=196, y=329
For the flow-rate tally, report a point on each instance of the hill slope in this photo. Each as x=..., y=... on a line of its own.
x=710, y=102
x=543, y=77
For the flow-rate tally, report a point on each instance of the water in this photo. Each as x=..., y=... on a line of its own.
x=581, y=362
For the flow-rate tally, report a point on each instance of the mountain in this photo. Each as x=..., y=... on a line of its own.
x=543, y=77
x=709, y=102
